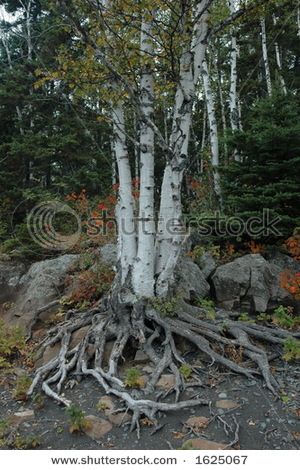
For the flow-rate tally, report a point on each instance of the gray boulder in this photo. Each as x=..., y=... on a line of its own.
x=249, y=283
x=207, y=264
x=108, y=254
x=39, y=286
x=285, y=262
x=10, y=275
x=191, y=281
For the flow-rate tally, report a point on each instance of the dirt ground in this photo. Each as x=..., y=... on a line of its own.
x=257, y=420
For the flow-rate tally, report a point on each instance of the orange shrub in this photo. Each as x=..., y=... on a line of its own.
x=255, y=248
x=293, y=246
x=291, y=282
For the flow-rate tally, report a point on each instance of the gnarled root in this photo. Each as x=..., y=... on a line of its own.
x=145, y=326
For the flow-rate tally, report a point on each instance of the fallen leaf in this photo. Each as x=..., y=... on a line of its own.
x=146, y=422
x=178, y=435
x=297, y=412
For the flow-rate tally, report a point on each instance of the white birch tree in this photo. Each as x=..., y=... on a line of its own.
x=233, y=100
x=278, y=61
x=213, y=130
x=139, y=309
x=265, y=55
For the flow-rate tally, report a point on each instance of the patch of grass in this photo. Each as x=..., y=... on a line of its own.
x=186, y=371
x=133, y=378
x=24, y=443
x=264, y=317
x=12, y=342
x=209, y=306
x=283, y=317
x=245, y=318
x=59, y=429
x=22, y=385
x=291, y=348
x=188, y=445
x=166, y=307
x=199, y=251
x=77, y=419
x=4, y=428
x=285, y=398
x=38, y=401
x=102, y=406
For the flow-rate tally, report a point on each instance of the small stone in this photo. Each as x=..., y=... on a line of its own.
x=105, y=404
x=251, y=383
x=96, y=427
x=21, y=417
x=226, y=404
x=50, y=353
x=117, y=419
x=203, y=444
x=148, y=369
x=166, y=382
x=196, y=423
x=141, y=357
x=78, y=336
x=18, y=371
x=107, y=351
x=39, y=334
x=222, y=395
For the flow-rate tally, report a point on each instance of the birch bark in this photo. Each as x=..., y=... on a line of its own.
x=279, y=62
x=143, y=273
x=171, y=230
x=265, y=55
x=125, y=207
x=233, y=75
x=213, y=131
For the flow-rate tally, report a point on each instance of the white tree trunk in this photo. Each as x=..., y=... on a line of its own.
x=143, y=272
x=240, y=114
x=265, y=55
x=298, y=21
x=213, y=131
x=279, y=63
x=223, y=113
x=136, y=150
x=233, y=76
x=171, y=231
x=233, y=96
x=203, y=140
x=125, y=207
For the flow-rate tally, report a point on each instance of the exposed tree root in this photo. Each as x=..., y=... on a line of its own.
x=155, y=335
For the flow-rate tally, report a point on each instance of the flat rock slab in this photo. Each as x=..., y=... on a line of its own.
x=203, y=444
x=226, y=404
x=105, y=404
x=196, y=423
x=141, y=357
x=166, y=382
x=96, y=427
x=117, y=419
x=21, y=417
